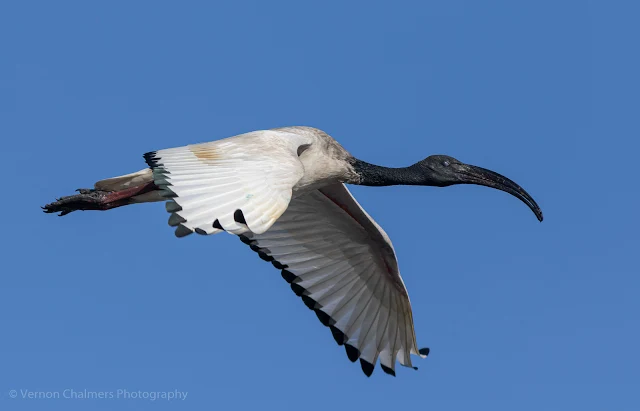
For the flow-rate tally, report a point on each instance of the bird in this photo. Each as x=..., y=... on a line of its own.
x=283, y=192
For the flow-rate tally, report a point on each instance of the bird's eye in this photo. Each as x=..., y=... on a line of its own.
x=445, y=163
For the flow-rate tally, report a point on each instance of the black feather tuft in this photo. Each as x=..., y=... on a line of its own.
x=239, y=217
x=168, y=193
x=338, y=335
x=172, y=207
x=352, y=352
x=309, y=302
x=183, y=231
x=279, y=266
x=367, y=367
x=151, y=159
x=175, y=220
x=244, y=239
x=324, y=318
x=387, y=370
x=297, y=289
x=287, y=275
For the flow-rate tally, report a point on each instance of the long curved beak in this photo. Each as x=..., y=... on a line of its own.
x=468, y=174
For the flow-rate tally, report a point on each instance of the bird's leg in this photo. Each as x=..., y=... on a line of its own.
x=90, y=199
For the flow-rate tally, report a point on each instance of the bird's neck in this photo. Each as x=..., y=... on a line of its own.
x=373, y=175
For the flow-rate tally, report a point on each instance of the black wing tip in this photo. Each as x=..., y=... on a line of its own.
x=168, y=193
x=183, y=231
x=387, y=370
x=287, y=275
x=175, y=220
x=172, y=207
x=309, y=302
x=279, y=265
x=324, y=318
x=338, y=335
x=352, y=352
x=297, y=289
x=244, y=239
x=238, y=217
x=424, y=351
x=151, y=159
x=367, y=367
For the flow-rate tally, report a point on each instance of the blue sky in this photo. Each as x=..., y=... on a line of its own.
x=518, y=314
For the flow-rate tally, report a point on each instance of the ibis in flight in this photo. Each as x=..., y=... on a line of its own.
x=283, y=193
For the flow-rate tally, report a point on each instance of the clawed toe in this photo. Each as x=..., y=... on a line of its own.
x=87, y=199
x=96, y=199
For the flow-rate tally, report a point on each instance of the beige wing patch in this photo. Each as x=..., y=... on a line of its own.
x=236, y=184
x=205, y=152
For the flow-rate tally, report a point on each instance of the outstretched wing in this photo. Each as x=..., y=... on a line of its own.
x=343, y=266
x=235, y=184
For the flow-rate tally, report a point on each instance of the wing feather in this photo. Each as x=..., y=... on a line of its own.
x=208, y=183
x=343, y=267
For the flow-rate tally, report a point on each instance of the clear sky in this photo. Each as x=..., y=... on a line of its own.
x=519, y=315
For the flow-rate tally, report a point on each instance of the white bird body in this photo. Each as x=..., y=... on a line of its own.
x=282, y=192
x=325, y=161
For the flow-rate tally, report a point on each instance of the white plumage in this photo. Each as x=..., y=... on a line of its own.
x=344, y=267
x=282, y=192
x=334, y=255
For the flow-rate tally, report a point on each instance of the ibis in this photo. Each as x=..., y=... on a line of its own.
x=282, y=192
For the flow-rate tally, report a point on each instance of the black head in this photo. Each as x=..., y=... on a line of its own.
x=443, y=171
x=439, y=170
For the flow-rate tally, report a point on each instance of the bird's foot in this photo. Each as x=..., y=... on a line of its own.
x=87, y=200
x=92, y=199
